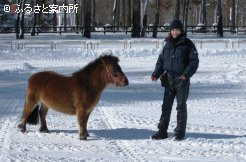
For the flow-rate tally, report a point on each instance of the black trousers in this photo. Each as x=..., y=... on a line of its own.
x=179, y=89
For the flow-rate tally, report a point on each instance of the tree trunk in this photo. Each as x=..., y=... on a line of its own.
x=65, y=17
x=54, y=18
x=114, y=12
x=202, y=14
x=22, y=20
x=233, y=13
x=118, y=11
x=146, y=6
x=123, y=12
x=116, y=16
x=185, y=16
x=87, y=31
x=77, y=18
x=129, y=15
x=219, y=20
x=17, y=22
x=39, y=19
x=34, y=20
x=136, y=18
x=177, y=10
x=93, y=13
x=157, y=19
x=83, y=13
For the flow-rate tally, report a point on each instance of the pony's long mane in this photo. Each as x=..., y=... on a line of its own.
x=92, y=65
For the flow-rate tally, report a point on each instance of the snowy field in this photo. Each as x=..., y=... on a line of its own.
x=121, y=124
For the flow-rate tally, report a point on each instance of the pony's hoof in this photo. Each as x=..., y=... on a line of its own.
x=87, y=134
x=43, y=130
x=20, y=127
x=83, y=138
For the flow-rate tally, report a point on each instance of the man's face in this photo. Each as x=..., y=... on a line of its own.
x=175, y=32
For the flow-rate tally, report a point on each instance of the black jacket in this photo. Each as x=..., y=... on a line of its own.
x=179, y=57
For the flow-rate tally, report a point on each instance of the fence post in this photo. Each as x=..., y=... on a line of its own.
x=125, y=44
x=157, y=44
x=232, y=45
x=199, y=44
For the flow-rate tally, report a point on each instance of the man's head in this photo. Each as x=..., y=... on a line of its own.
x=176, y=28
x=176, y=24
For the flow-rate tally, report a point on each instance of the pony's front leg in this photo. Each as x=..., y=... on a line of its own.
x=86, y=131
x=81, y=116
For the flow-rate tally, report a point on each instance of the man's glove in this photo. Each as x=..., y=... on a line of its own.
x=153, y=78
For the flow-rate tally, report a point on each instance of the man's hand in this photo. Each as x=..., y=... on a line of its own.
x=183, y=77
x=153, y=78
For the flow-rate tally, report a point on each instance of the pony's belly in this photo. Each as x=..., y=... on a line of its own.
x=63, y=108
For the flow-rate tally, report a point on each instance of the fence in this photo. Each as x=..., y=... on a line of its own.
x=123, y=44
x=125, y=29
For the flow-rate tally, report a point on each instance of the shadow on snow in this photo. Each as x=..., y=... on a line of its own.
x=142, y=134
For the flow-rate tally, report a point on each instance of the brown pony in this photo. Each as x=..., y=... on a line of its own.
x=75, y=95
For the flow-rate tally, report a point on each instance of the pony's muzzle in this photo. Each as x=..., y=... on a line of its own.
x=122, y=81
x=126, y=81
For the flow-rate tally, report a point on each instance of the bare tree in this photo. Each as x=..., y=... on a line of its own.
x=93, y=12
x=22, y=23
x=146, y=6
x=185, y=15
x=34, y=20
x=123, y=12
x=136, y=18
x=80, y=13
x=77, y=19
x=116, y=14
x=213, y=4
x=233, y=15
x=166, y=10
x=83, y=12
x=202, y=15
x=129, y=14
x=157, y=18
x=65, y=16
x=54, y=21
x=17, y=22
x=87, y=31
x=219, y=20
x=177, y=10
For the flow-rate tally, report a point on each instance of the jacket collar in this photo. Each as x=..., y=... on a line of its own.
x=175, y=41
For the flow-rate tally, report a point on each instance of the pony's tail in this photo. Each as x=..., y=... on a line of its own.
x=34, y=116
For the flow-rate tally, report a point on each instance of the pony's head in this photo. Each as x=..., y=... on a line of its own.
x=114, y=72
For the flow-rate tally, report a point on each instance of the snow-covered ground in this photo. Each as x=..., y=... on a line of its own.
x=125, y=118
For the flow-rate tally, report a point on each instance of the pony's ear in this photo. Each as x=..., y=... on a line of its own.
x=109, y=57
x=116, y=59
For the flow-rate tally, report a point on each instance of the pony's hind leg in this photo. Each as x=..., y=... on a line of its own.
x=28, y=113
x=43, y=112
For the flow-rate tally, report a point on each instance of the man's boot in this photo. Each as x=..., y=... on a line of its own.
x=159, y=135
x=179, y=136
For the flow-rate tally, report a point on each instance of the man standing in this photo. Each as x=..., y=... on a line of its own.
x=179, y=60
